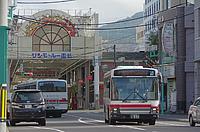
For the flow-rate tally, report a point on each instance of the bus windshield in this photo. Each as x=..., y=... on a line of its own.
x=52, y=86
x=134, y=88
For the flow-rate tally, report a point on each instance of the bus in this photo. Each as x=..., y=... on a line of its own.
x=54, y=92
x=131, y=94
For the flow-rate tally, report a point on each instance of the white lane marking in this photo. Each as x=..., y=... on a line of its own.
x=47, y=128
x=132, y=127
x=85, y=122
x=93, y=120
x=52, y=122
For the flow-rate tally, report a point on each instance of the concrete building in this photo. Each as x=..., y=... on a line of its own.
x=176, y=27
x=151, y=8
x=197, y=48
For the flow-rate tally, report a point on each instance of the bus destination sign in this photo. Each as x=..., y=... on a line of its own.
x=134, y=72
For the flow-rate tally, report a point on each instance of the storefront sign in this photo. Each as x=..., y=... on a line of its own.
x=51, y=55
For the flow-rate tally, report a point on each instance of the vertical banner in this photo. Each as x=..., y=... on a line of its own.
x=3, y=108
x=168, y=39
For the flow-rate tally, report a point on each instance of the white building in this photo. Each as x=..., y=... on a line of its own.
x=151, y=9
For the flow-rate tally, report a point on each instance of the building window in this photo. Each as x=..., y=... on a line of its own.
x=51, y=38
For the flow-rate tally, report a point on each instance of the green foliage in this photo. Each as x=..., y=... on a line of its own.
x=153, y=38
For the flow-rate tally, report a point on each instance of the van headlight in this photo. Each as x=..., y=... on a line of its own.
x=42, y=105
x=16, y=105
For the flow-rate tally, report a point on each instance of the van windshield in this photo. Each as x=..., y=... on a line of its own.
x=24, y=97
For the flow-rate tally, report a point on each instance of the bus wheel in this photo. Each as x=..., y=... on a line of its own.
x=139, y=123
x=111, y=122
x=152, y=122
x=106, y=121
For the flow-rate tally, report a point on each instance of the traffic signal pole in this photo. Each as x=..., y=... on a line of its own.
x=3, y=62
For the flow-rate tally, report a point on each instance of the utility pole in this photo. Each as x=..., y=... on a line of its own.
x=3, y=62
x=114, y=48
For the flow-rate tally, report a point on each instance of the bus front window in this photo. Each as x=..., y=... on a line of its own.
x=132, y=88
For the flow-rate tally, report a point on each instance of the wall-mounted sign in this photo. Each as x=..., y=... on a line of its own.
x=51, y=55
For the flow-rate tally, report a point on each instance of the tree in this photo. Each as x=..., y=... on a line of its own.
x=153, y=38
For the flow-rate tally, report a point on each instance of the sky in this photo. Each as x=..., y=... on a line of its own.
x=108, y=10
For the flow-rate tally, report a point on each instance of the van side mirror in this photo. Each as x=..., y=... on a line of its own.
x=8, y=101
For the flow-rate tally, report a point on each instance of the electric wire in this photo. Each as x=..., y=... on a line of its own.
x=126, y=20
x=43, y=2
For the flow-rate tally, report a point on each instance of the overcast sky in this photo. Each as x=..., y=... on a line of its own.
x=108, y=10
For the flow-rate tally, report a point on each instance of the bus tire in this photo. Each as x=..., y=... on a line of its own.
x=152, y=122
x=106, y=121
x=111, y=122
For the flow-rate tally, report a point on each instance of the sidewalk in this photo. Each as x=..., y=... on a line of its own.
x=174, y=117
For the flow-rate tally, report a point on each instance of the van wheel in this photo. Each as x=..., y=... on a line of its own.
x=191, y=121
x=42, y=122
x=12, y=123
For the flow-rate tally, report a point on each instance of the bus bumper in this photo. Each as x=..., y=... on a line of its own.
x=134, y=117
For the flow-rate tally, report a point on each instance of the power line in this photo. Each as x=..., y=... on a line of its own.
x=114, y=28
x=126, y=20
x=43, y=2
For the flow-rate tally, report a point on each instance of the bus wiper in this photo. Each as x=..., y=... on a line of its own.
x=128, y=96
x=145, y=99
x=137, y=93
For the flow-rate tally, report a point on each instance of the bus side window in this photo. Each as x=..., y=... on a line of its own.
x=108, y=87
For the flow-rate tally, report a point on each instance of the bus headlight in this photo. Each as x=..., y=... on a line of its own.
x=154, y=110
x=115, y=110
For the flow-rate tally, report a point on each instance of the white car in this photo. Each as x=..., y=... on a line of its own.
x=194, y=112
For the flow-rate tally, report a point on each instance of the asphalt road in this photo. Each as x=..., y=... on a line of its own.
x=91, y=121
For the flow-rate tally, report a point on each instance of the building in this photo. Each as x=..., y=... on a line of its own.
x=151, y=9
x=54, y=44
x=197, y=48
x=176, y=28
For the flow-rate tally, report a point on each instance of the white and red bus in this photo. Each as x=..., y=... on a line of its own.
x=54, y=91
x=131, y=94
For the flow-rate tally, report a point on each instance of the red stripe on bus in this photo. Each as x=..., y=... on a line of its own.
x=130, y=105
x=51, y=100
x=62, y=101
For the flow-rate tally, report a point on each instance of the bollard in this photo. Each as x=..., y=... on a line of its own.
x=3, y=108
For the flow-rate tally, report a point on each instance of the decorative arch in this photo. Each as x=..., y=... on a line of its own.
x=51, y=30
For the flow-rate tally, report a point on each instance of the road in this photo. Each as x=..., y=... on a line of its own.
x=93, y=121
